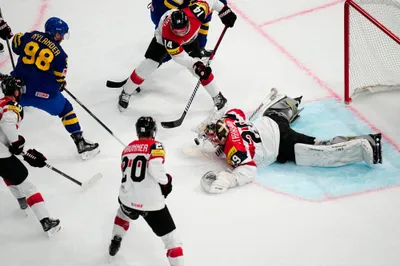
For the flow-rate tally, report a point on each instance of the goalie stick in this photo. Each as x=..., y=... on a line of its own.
x=179, y=121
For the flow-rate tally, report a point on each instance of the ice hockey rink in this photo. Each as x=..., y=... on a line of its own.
x=290, y=216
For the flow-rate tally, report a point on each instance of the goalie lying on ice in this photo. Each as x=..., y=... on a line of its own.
x=248, y=145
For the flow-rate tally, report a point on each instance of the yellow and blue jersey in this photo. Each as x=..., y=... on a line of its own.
x=42, y=63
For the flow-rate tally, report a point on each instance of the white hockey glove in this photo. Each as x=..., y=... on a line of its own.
x=217, y=183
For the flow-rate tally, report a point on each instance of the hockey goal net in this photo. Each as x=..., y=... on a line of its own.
x=372, y=46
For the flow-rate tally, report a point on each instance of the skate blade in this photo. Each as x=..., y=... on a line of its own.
x=25, y=211
x=53, y=231
x=89, y=154
x=110, y=258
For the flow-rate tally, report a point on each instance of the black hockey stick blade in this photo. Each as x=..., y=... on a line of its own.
x=115, y=84
x=176, y=123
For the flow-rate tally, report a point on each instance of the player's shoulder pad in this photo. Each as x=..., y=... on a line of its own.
x=200, y=9
x=157, y=150
x=236, y=157
x=14, y=107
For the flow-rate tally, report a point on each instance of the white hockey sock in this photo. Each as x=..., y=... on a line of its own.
x=210, y=86
x=34, y=199
x=174, y=248
x=14, y=190
x=121, y=224
x=142, y=72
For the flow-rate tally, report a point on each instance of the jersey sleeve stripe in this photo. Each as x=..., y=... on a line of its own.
x=58, y=74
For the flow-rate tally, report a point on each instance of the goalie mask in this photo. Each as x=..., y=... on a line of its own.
x=217, y=132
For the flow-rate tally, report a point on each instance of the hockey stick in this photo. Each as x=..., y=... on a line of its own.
x=177, y=123
x=98, y=120
x=86, y=184
x=115, y=84
x=8, y=45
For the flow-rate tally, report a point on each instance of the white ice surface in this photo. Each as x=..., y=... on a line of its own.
x=246, y=226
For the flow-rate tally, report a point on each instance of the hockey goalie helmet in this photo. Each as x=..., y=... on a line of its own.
x=56, y=25
x=179, y=23
x=217, y=132
x=10, y=84
x=146, y=127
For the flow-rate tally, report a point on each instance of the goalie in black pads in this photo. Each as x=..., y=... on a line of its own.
x=248, y=145
x=144, y=187
x=12, y=170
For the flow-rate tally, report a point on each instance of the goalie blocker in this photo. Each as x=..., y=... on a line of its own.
x=248, y=145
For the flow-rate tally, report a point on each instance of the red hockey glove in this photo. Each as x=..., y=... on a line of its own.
x=201, y=70
x=35, y=158
x=227, y=16
x=5, y=30
x=167, y=188
x=17, y=146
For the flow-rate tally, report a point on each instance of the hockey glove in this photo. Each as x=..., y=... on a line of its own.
x=5, y=30
x=167, y=188
x=201, y=70
x=227, y=16
x=35, y=158
x=17, y=146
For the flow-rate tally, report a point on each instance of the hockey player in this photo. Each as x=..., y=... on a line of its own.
x=42, y=65
x=174, y=36
x=248, y=145
x=144, y=187
x=159, y=7
x=12, y=170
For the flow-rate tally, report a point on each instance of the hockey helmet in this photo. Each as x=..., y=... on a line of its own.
x=10, y=84
x=180, y=23
x=146, y=127
x=217, y=132
x=56, y=25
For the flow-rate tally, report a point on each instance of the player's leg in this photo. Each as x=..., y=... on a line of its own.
x=121, y=226
x=153, y=58
x=163, y=226
x=61, y=107
x=15, y=173
x=203, y=33
x=23, y=205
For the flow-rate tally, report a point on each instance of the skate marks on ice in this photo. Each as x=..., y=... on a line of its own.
x=325, y=119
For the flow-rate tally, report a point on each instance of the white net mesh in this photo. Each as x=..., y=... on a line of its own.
x=374, y=60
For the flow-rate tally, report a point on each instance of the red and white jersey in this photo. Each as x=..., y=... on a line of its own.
x=250, y=145
x=142, y=171
x=196, y=13
x=11, y=114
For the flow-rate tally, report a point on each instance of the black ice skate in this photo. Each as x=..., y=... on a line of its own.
x=85, y=149
x=22, y=203
x=205, y=53
x=50, y=226
x=375, y=141
x=1, y=48
x=114, y=246
x=123, y=101
x=219, y=101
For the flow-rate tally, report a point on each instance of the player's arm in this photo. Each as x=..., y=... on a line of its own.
x=173, y=4
x=156, y=163
x=178, y=53
x=60, y=70
x=9, y=121
x=226, y=15
x=17, y=43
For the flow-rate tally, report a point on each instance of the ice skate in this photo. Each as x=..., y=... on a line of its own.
x=1, y=48
x=375, y=141
x=114, y=246
x=219, y=101
x=123, y=101
x=50, y=226
x=85, y=148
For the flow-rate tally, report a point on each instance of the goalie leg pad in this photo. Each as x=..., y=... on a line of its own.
x=334, y=155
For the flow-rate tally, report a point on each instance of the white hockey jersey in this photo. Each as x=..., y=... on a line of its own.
x=142, y=173
x=10, y=115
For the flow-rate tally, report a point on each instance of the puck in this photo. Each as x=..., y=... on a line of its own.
x=138, y=89
x=196, y=140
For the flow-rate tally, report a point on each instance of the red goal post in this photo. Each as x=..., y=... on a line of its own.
x=371, y=46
